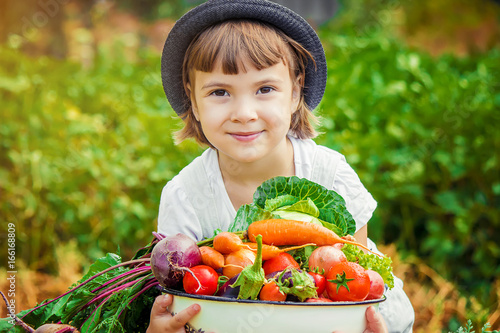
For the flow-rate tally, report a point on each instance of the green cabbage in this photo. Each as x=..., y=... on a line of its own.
x=298, y=199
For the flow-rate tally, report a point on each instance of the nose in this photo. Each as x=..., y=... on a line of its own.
x=244, y=110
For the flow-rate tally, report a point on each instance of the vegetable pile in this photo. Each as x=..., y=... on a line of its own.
x=294, y=243
x=306, y=266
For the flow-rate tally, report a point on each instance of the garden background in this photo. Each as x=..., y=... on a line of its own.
x=412, y=101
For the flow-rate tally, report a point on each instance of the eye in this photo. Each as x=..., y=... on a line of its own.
x=265, y=90
x=219, y=93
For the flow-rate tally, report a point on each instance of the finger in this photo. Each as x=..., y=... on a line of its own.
x=374, y=321
x=182, y=318
x=160, y=305
x=371, y=315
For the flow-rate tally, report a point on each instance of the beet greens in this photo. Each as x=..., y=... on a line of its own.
x=113, y=296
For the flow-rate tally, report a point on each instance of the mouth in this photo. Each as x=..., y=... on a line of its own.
x=246, y=136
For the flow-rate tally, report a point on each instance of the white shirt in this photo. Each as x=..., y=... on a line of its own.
x=178, y=215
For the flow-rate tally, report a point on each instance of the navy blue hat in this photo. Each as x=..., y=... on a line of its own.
x=215, y=11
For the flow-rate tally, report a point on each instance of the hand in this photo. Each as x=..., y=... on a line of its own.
x=374, y=322
x=163, y=322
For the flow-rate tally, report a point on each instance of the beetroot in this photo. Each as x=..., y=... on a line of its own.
x=172, y=257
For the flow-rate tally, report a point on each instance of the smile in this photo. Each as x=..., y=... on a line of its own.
x=246, y=136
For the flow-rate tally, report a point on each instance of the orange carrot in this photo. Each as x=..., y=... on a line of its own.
x=271, y=251
x=290, y=232
x=236, y=261
x=227, y=242
x=211, y=257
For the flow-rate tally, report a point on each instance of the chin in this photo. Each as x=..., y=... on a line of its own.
x=243, y=157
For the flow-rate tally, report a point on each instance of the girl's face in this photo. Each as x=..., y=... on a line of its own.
x=245, y=116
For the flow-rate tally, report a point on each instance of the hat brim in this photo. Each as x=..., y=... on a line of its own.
x=215, y=11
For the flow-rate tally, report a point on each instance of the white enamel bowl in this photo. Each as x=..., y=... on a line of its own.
x=228, y=315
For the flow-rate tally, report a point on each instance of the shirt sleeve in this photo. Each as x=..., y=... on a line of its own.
x=359, y=202
x=176, y=214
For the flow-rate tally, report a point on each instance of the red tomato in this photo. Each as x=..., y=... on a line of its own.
x=207, y=277
x=279, y=263
x=271, y=292
x=319, y=281
x=347, y=281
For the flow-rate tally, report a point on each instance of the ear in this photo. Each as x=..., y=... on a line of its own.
x=194, y=107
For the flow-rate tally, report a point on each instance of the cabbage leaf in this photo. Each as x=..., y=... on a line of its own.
x=298, y=199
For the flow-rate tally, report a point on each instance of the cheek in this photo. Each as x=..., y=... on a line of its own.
x=279, y=119
x=210, y=120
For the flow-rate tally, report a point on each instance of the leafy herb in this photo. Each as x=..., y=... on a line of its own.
x=302, y=255
x=381, y=265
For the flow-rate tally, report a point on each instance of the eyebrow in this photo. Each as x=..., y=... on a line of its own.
x=217, y=84
x=268, y=80
x=214, y=84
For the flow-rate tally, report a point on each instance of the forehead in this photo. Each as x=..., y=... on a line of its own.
x=248, y=76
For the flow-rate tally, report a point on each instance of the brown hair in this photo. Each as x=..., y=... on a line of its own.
x=264, y=45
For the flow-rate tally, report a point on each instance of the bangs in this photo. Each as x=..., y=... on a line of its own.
x=231, y=41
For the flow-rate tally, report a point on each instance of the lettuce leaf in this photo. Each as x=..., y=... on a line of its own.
x=381, y=265
x=299, y=199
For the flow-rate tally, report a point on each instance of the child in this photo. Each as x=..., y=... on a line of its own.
x=245, y=75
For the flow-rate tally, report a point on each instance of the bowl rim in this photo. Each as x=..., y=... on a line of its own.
x=287, y=303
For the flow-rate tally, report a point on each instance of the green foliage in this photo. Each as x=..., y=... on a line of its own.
x=468, y=328
x=422, y=133
x=156, y=9
x=84, y=153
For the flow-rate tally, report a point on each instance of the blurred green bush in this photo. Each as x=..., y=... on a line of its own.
x=84, y=153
